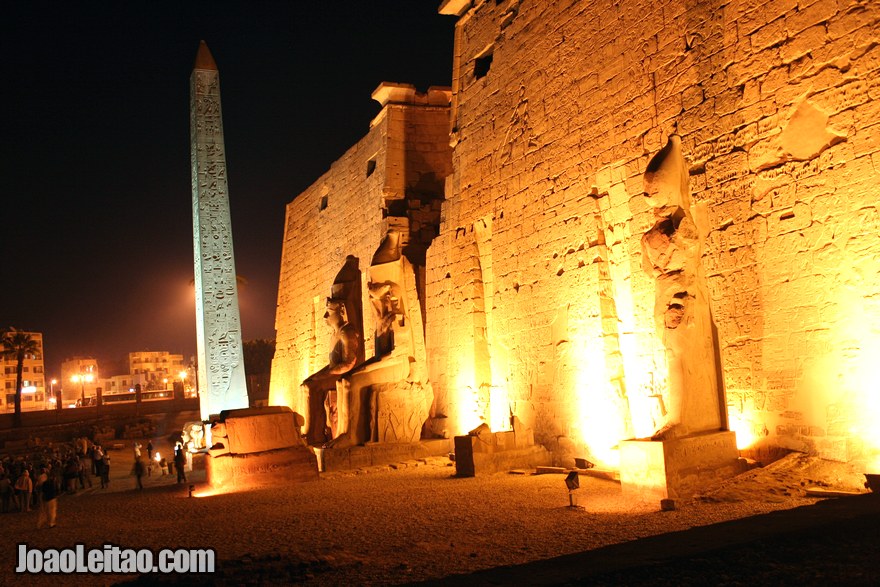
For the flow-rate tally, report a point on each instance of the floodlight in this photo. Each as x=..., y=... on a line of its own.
x=572, y=481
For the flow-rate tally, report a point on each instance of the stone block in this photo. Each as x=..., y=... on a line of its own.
x=677, y=468
x=548, y=470
x=464, y=456
x=377, y=454
x=262, y=446
x=502, y=461
x=505, y=440
x=484, y=454
x=254, y=430
x=294, y=464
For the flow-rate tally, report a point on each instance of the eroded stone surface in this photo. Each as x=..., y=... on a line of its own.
x=391, y=180
x=343, y=315
x=256, y=446
x=535, y=295
x=672, y=252
x=388, y=398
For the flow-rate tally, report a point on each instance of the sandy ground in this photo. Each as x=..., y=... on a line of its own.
x=391, y=525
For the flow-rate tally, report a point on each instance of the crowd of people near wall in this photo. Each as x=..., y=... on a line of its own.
x=34, y=480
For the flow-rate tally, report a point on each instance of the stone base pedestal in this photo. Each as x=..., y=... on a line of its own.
x=680, y=467
x=258, y=446
x=382, y=453
x=273, y=467
x=487, y=452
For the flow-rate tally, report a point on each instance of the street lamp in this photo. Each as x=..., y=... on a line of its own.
x=52, y=398
x=82, y=379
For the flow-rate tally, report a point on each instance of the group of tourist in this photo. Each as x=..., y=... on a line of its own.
x=35, y=482
x=182, y=462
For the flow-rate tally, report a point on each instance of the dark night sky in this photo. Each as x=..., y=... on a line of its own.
x=94, y=132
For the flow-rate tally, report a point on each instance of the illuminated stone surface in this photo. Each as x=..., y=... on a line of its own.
x=484, y=452
x=671, y=252
x=373, y=454
x=680, y=467
x=776, y=105
x=256, y=446
x=536, y=299
x=388, y=398
x=390, y=182
x=218, y=324
x=325, y=416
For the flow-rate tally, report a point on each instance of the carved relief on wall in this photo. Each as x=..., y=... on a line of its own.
x=221, y=365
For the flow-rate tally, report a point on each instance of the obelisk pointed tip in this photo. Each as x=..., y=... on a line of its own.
x=204, y=59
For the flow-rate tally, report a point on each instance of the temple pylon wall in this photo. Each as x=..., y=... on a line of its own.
x=391, y=179
x=537, y=290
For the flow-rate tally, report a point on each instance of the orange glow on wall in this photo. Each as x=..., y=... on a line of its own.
x=857, y=344
x=499, y=409
x=467, y=411
x=642, y=390
x=599, y=419
x=741, y=424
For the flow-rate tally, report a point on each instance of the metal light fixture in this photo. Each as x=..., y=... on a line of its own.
x=572, y=482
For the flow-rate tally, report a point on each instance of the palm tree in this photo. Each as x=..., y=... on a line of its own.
x=18, y=345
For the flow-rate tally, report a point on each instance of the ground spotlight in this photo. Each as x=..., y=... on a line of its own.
x=572, y=482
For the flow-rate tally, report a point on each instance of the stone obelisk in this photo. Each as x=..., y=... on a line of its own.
x=218, y=324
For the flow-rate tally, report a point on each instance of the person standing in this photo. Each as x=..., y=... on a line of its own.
x=98, y=461
x=5, y=492
x=49, y=503
x=93, y=450
x=82, y=473
x=139, y=472
x=71, y=473
x=105, y=470
x=23, y=488
x=38, y=487
x=180, y=463
x=150, y=449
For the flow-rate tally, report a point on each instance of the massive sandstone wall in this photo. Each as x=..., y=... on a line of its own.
x=536, y=287
x=393, y=175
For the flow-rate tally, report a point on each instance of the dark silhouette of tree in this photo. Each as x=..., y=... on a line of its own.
x=258, y=355
x=18, y=345
x=257, y=366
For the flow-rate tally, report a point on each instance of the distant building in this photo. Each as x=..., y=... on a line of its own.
x=155, y=369
x=33, y=394
x=119, y=383
x=79, y=378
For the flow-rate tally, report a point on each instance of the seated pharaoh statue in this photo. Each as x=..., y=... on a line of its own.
x=346, y=351
x=388, y=398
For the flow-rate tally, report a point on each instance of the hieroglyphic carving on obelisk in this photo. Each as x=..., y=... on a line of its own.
x=218, y=324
